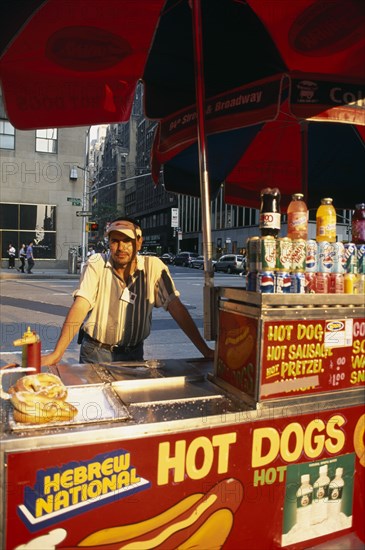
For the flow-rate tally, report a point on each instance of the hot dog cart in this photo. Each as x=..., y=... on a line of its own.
x=189, y=454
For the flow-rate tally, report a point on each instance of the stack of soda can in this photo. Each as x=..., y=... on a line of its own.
x=284, y=266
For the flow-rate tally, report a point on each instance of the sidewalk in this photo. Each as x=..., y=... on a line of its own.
x=40, y=273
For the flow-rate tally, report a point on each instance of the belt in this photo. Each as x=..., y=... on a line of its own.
x=112, y=348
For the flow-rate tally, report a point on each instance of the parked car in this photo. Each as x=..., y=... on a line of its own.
x=167, y=258
x=229, y=263
x=185, y=258
x=198, y=262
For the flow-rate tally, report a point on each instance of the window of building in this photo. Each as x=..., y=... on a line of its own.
x=46, y=140
x=22, y=223
x=7, y=130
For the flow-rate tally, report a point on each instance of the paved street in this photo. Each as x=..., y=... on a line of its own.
x=41, y=302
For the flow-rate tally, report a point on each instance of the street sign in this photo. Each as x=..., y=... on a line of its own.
x=174, y=217
x=86, y=213
x=74, y=201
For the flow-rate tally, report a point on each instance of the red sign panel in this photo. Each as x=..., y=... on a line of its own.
x=237, y=351
x=205, y=488
x=305, y=357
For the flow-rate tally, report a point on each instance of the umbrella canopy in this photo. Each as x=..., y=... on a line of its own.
x=72, y=63
x=271, y=127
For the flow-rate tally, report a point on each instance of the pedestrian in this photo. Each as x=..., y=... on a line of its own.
x=11, y=255
x=115, y=299
x=90, y=251
x=22, y=257
x=30, y=257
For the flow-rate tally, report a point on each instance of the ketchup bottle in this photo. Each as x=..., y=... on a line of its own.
x=270, y=216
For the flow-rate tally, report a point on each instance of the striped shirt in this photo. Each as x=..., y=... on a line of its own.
x=114, y=320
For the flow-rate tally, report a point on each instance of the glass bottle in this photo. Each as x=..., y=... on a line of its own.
x=335, y=491
x=297, y=217
x=326, y=222
x=304, y=501
x=320, y=496
x=270, y=212
x=358, y=224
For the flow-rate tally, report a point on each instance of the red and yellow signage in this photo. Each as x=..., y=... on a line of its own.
x=204, y=488
x=303, y=357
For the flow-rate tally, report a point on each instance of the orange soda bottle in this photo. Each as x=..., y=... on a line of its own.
x=297, y=217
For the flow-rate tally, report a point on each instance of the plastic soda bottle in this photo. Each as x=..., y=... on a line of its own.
x=358, y=224
x=335, y=491
x=320, y=496
x=304, y=501
x=270, y=216
x=297, y=217
x=326, y=222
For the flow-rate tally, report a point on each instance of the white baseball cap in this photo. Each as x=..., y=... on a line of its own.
x=126, y=227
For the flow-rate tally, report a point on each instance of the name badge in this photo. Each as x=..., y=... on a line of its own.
x=128, y=296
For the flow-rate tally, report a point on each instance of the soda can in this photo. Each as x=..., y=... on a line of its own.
x=267, y=253
x=360, y=283
x=325, y=257
x=336, y=285
x=350, y=280
x=350, y=258
x=311, y=260
x=251, y=281
x=253, y=253
x=282, y=282
x=310, y=282
x=322, y=282
x=297, y=283
x=360, y=258
x=283, y=253
x=298, y=255
x=338, y=257
x=266, y=282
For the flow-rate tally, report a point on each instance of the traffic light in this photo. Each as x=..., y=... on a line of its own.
x=94, y=226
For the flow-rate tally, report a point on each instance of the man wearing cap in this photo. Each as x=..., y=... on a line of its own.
x=115, y=299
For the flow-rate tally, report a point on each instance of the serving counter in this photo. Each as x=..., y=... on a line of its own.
x=190, y=454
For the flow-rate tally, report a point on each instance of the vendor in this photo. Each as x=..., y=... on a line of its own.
x=115, y=299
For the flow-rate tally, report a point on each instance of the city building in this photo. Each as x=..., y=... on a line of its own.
x=41, y=190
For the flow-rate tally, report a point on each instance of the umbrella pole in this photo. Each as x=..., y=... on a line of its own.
x=209, y=295
x=304, y=147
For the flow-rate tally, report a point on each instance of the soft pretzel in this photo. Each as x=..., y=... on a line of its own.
x=45, y=384
x=40, y=398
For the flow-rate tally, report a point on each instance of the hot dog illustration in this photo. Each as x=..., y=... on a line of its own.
x=199, y=522
x=239, y=344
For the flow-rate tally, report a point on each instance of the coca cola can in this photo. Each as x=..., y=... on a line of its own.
x=338, y=257
x=266, y=282
x=361, y=258
x=310, y=282
x=298, y=255
x=336, y=284
x=322, y=282
x=251, y=281
x=311, y=256
x=350, y=258
x=325, y=257
x=267, y=253
x=297, y=283
x=253, y=253
x=283, y=253
x=282, y=282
